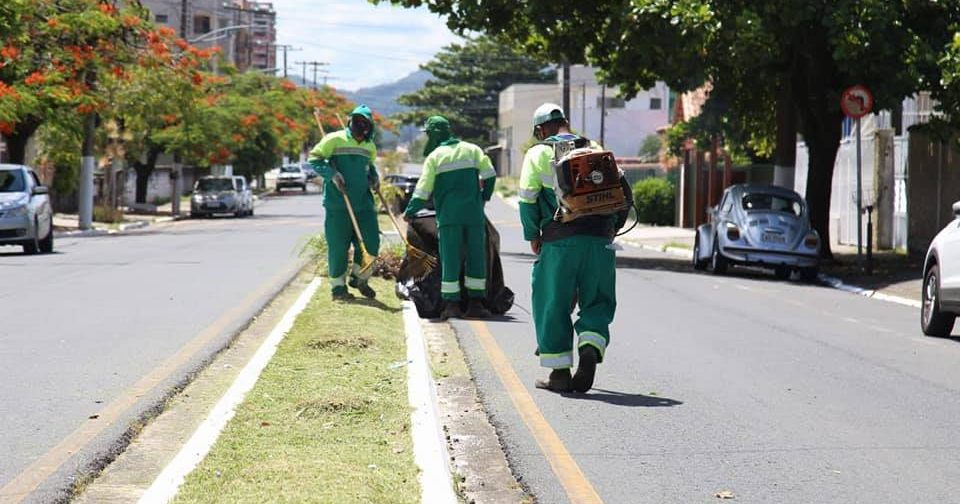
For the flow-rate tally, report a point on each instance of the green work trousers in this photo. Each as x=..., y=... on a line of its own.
x=458, y=245
x=340, y=235
x=581, y=268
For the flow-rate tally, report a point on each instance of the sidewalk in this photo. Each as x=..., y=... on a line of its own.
x=893, y=274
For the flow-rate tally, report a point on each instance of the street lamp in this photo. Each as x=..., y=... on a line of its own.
x=219, y=31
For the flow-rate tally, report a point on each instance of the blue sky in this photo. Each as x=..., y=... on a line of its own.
x=365, y=44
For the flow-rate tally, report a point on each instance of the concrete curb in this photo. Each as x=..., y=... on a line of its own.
x=166, y=485
x=429, y=446
x=826, y=280
x=122, y=228
x=838, y=284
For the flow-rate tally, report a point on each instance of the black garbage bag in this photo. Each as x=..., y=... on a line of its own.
x=425, y=293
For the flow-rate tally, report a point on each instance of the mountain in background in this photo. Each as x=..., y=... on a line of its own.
x=383, y=98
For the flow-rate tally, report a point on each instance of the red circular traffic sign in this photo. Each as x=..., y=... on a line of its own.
x=856, y=101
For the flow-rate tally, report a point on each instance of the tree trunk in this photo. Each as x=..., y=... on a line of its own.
x=785, y=152
x=144, y=170
x=17, y=142
x=823, y=146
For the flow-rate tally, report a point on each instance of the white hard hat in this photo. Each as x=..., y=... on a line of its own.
x=546, y=113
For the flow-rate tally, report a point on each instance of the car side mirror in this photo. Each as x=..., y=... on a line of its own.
x=38, y=190
x=956, y=209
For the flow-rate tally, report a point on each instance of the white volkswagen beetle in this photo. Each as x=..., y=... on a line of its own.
x=759, y=225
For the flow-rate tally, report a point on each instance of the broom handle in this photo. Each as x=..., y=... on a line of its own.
x=353, y=220
x=392, y=217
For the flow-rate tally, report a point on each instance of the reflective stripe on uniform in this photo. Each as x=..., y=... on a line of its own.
x=557, y=361
x=475, y=283
x=528, y=196
x=488, y=173
x=339, y=281
x=593, y=339
x=351, y=151
x=449, y=287
x=456, y=165
x=547, y=179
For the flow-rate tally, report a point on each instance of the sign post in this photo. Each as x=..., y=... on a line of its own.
x=856, y=102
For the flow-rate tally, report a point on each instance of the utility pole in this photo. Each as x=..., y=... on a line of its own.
x=603, y=112
x=183, y=18
x=566, y=87
x=286, y=47
x=316, y=65
x=176, y=174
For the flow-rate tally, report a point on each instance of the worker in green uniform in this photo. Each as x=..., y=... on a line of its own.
x=345, y=161
x=460, y=178
x=575, y=264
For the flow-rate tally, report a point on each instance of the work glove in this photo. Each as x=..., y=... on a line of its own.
x=339, y=182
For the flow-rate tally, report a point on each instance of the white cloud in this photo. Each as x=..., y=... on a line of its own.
x=365, y=44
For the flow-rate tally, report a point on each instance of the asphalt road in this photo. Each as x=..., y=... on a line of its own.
x=99, y=332
x=773, y=391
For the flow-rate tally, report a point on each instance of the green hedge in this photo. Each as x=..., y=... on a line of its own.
x=656, y=201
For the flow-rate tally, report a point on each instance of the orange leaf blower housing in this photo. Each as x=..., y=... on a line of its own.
x=588, y=182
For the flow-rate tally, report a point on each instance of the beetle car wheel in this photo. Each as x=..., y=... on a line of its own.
x=933, y=321
x=718, y=262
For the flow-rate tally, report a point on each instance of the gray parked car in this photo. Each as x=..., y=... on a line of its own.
x=220, y=195
x=759, y=225
x=26, y=218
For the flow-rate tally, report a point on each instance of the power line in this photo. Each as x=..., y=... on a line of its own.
x=316, y=65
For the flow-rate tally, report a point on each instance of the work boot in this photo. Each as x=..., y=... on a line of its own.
x=343, y=296
x=559, y=381
x=476, y=310
x=451, y=309
x=364, y=287
x=586, y=369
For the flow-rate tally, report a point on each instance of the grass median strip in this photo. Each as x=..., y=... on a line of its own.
x=328, y=420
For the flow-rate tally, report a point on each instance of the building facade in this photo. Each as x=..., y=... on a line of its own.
x=622, y=129
x=206, y=24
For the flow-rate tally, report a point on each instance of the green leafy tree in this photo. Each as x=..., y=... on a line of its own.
x=776, y=68
x=467, y=80
x=650, y=148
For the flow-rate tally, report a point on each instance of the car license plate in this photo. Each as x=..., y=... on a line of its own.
x=774, y=238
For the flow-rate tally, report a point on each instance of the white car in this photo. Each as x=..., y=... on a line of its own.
x=292, y=176
x=26, y=217
x=941, y=280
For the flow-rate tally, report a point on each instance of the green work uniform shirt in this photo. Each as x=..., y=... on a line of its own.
x=340, y=152
x=460, y=178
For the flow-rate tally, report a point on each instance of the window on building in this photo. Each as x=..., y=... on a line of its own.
x=259, y=33
x=612, y=102
x=201, y=24
x=161, y=18
x=656, y=103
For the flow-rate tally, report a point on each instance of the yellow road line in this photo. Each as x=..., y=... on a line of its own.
x=575, y=484
x=27, y=481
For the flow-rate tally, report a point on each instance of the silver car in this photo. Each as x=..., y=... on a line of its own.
x=759, y=225
x=941, y=280
x=292, y=176
x=26, y=218
x=220, y=195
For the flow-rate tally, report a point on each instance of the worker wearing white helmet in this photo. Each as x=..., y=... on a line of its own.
x=575, y=264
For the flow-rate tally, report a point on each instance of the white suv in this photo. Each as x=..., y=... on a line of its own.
x=941, y=280
x=292, y=176
x=26, y=218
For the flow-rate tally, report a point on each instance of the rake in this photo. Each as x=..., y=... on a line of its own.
x=421, y=263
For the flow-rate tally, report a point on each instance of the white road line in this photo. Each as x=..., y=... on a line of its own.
x=193, y=452
x=429, y=447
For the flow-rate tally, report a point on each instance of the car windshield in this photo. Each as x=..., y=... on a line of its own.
x=214, y=185
x=772, y=202
x=290, y=169
x=12, y=181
